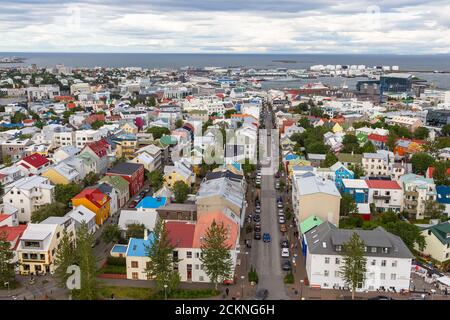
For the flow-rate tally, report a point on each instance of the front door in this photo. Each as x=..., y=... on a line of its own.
x=189, y=272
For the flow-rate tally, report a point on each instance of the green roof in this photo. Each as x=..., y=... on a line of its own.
x=350, y=158
x=442, y=232
x=168, y=140
x=117, y=182
x=87, y=158
x=309, y=223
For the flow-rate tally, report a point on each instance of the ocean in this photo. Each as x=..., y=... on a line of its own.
x=408, y=63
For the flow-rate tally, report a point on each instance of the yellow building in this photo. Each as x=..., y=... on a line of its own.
x=337, y=128
x=130, y=128
x=176, y=173
x=96, y=201
x=62, y=174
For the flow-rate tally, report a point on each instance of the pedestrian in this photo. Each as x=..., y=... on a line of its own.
x=227, y=291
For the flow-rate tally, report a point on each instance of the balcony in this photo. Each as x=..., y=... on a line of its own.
x=381, y=197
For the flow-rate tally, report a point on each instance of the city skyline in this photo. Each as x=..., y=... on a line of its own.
x=374, y=27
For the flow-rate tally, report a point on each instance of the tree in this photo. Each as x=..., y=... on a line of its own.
x=420, y=162
x=135, y=230
x=368, y=147
x=55, y=209
x=6, y=256
x=160, y=266
x=2, y=189
x=228, y=113
x=179, y=123
x=111, y=233
x=18, y=117
x=139, y=122
x=65, y=257
x=440, y=175
x=216, y=256
x=434, y=209
x=155, y=179
x=90, y=179
x=158, y=132
x=409, y=233
x=206, y=125
x=350, y=143
x=446, y=130
x=348, y=205
x=357, y=170
x=86, y=260
x=330, y=159
x=421, y=133
x=353, y=269
x=65, y=192
x=180, y=191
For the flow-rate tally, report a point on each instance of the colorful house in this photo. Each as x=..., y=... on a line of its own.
x=357, y=188
x=62, y=173
x=33, y=164
x=341, y=172
x=132, y=172
x=94, y=200
x=380, y=142
x=404, y=147
x=121, y=186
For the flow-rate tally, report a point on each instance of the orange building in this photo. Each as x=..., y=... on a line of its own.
x=96, y=201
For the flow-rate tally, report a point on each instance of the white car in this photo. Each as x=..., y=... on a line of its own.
x=280, y=205
x=285, y=253
x=258, y=181
x=281, y=219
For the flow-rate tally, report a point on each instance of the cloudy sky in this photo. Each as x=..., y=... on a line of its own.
x=251, y=26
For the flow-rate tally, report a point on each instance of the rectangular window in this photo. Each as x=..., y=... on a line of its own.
x=188, y=254
x=393, y=276
x=134, y=264
x=373, y=262
x=337, y=261
x=394, y=263
x=383, y=263
x=135, y=275
x=337, y=274
x=326, y=273
x=373, y=249
x=382, y=276
x=327, y=260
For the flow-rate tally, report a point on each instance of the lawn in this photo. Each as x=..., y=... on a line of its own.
x=153, y=294
x=111, y=269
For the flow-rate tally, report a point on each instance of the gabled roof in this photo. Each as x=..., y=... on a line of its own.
x=125, y=168
x=36, y=160
x=100, y=147
x=204, y=222
x=94, y=195
x=442, y=232
x=117, y=182
x=181, y=234
x=377, y=137
x=383, y=184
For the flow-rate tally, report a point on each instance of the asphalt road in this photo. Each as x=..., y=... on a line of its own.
x=266, y=257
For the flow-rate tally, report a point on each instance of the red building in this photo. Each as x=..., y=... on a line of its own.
x=132, y=172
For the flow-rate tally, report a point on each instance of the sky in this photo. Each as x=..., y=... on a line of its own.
x=226, y=26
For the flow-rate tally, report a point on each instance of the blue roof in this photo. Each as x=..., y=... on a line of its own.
x=12, y=125
x=139, y=247
x=443, y=194
x=152, y=203
x=236, y=165
x=291, y=156
x=119, y=248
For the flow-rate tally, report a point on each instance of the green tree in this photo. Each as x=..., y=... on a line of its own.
x=206, y=125
x=446, y=130
x=65, y=257
x=409, y=233
x=179, y=123
x=18, y=117
x=330, y=159
x=216, y=256
x=160, y=266
x=65, y=192
x=87, y=262
x=368, y=147
x=348, y=205
x=135, y=230
x=155, y=179
x=420, y=162
x=55, y=209
x=350, y=143
x=440, y=175
x=6, y=256
x=97, y=124
x=421, y=133
x=433, y=209
x=111, y=233
x=90, y=179
x=158, y=132
x=230, y=112
x=180, y=191
x=357, y=170
x=353, y=269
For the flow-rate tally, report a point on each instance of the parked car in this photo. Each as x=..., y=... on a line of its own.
x=262, y=294
x=283, y=228
x=285, y=253
x=257, y=218
x=284, y=244
x=281, y=212
x=277, y=185
x=258, y=181
x=258, y=210
x=281, y=219
x=257, y=235
x=257, y=227
x=380, y=298
x=280, y=205
x=286, y=265
x=266, y=237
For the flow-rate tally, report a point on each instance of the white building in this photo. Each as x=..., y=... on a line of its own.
x=388, y=261
x=378, y=164
x=385, y=195
x=417, y=190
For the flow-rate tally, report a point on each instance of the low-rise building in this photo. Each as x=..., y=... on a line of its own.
x=437, y=241
x=417, y=190
x=133, y=173
x=385, y=195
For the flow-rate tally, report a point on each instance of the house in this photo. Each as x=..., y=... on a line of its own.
x=82, y=214
x=357, y=188
x=13, y=235
x=96, y=201
x=380, y=142
x=112, y=194
x=312, y=195
x=99, y=151
x=316, y=160
x=148, y=218
x=37, y=248
x=137, y=257
x=388, y=260
x=33, y=164
x=349, y=159
x=65, y=152
x=132, y=172
x=146, y=160
x=178, y=172
x=341, y=172
x=408, y=122
x=437, y=240
x=9, y=215
x=417, y=191
x=364, y=211
x=178, y=211
x=28, y=194
x=405, y=147
x=121, y=187
x=126, y=145
x=378, y=164
x=385, y=195
x=62, y=173
x=130, y=128
x=154, y=152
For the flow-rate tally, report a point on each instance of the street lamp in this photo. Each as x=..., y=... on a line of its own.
x=242, y=286
x=301, y=289
x=6, y=284
x=165, y=291
x=246, y=260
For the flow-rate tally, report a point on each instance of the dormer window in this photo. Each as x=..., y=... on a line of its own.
x=385, y=250
x=373, y=249
x=338, y=248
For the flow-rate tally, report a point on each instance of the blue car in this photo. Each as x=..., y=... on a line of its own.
x=266, y=237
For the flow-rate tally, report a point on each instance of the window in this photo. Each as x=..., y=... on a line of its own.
x=327, y=260
x=337, y=274
x=382, y=276
x=188, y=254
x=338, y=248
x=135, y=275
x=383, y=263
x=373, y=249
x=373, y=262
x=326, y=273
x=197, y=255
x=134, y=264
x=200, y=278
x=197, y=267
x=385, y=250
x=393, y=276
x=337, y=261
x=394, y=263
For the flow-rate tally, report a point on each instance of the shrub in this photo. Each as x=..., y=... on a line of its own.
x=289, y=278
x=253, y=275
x=116, y=261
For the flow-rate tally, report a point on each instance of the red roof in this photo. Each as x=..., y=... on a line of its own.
x=95, y=117
x=4, y=216
x=99, y=147
x=12, y=233
x=181, y=234
x=66, y=98
x=71, y=105
x=377, y=137
x=36, y=160
x=28, y=121
x=94, y=195
x=383, y=184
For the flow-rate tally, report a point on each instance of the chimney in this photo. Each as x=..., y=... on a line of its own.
x=145, y=234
